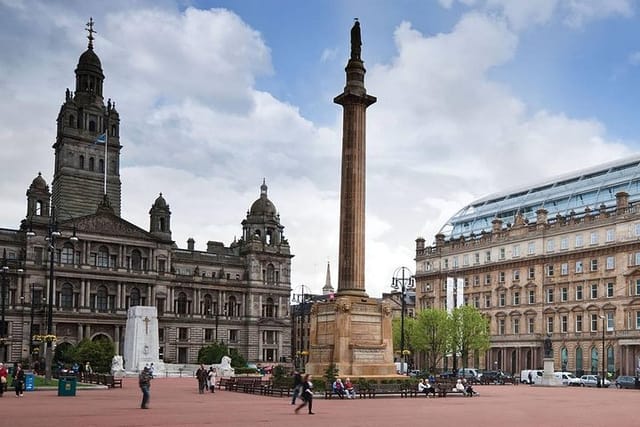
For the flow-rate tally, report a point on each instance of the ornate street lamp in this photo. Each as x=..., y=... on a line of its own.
x=604, y=319
x=404, y=281
x=300, y=350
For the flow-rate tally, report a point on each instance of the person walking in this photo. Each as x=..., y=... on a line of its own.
x=201, y=376
x=297, y=386
x=211, y=379
x=3, y=378
x=18, y=380
x=144, y=380
x=307, y=394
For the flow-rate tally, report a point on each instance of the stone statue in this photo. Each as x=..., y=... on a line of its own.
x=356, y=41
x=224, y=369
x=548, y=349
x=225, y=363
x=117, y=365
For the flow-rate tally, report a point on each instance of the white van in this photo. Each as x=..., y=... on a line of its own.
x=567, y=378
x=536, y=376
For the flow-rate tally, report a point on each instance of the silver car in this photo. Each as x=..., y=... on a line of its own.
x=592, y=381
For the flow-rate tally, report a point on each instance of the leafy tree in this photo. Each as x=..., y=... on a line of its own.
x=99, y=353
x=431, y=333
x=470, y=332
x=213, y=354
x=330, y=374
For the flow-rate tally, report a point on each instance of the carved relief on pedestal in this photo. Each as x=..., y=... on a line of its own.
x=386, y=309
x=343, y=304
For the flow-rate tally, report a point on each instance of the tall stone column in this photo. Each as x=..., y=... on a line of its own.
x=354, y=100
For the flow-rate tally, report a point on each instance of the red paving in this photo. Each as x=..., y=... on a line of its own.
x=176, y=402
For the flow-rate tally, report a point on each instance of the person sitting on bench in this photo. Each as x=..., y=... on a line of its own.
x=338, y=388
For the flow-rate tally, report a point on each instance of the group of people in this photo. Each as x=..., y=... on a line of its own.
x=424, y=386
x=206, y=379
x=18, y=378
x=465, y=387
x=302, y=388
x=344, y=389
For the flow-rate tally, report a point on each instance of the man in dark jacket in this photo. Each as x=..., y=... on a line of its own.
x=144, y=380
x=297, y=386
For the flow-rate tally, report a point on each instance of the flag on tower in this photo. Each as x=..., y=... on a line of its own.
x=101, y=139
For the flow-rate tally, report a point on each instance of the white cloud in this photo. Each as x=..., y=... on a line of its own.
x=634, y=58
x=328, y=55
x=579, y=12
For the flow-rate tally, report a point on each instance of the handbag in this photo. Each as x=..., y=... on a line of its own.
x=3, y=380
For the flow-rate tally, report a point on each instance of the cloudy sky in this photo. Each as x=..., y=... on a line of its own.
x=474, y=96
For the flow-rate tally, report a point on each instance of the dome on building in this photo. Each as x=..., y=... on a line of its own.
x=39, y=183
x=89, y=61
x=263, y=206
x=160, y=202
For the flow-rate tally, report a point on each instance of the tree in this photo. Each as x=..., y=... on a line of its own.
x=431, y=332
x=470, y=332
x=99, y=353
x=213, y=354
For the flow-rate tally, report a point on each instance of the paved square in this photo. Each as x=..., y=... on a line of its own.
x=176, y=402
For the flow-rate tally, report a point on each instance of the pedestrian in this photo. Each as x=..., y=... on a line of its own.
x=297, y=386
x=306, y=395
x=144, y=380
x=18, y=380
x=152, y=370
x=211, y=379
x=201, y=376
x=3, y=378
x=530, y=378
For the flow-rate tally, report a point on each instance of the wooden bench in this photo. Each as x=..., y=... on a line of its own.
x=112, y=382
x=381, y=389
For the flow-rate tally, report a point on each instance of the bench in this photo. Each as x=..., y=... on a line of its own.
x=112, y=382
x=227, y=383
x=380, y=389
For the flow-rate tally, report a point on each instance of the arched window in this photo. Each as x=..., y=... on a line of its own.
x=91, y=163
x=134, y=297
x=270, y=274
x=232, y=307
x=101, y=165
x=579, y=365
x=92, y=126
x=564, y=358
x=39, y=207
x=136, y=260
x=269, y=308
x=66, y=296
x=594, y=360
x=101, y=299
x=81, y=162
x=207, y=305
x=611, y=366
x=113, y=130
x=182, y=303
x=161, y=224
x=268, y=237
x=72, y=121
x=102, y=260
x=66, y=255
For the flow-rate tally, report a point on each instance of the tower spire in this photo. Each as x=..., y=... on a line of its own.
x=327, y=289
x=90, y=30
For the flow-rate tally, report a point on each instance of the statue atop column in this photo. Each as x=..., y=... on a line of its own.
x=548, y=349
x=356, y=40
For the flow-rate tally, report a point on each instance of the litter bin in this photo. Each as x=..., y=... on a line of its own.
x=67, y=386
x=29, y=381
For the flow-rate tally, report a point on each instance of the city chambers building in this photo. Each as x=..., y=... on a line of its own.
x=103, y=264
x=559, y=259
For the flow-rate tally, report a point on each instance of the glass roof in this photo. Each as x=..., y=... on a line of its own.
x=571, y=192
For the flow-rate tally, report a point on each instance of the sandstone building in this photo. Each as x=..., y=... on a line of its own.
x=561, y=258
x=103, y=264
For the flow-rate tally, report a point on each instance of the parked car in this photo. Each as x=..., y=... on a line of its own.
x=496, y=377
x=592, y=381
x=567, y=378
x=471, y=374
x=626, y=381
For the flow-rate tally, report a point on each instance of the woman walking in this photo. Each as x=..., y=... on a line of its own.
x=18, y=380
x=307, y=394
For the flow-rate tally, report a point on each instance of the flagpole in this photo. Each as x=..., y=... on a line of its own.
x=106, y=142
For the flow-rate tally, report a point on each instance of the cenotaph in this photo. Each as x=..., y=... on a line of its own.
x=352, y=331
x=141, y=341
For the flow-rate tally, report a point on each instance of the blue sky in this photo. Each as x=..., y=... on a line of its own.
x=473, y=96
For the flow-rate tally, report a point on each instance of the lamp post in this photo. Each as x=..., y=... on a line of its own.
x=604, y=319
x=300, y=299
x=52, y=234
x=3, y=337
x=403, y=280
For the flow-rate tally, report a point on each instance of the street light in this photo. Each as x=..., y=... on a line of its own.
x=52, y=234
x=300, y=299
x=603, y=354
x=403, y=280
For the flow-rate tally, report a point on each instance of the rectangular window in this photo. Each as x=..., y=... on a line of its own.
x=233, y=335
x=502, y=253
x=551, y=245
x=549, y=269
x=564, y=293
x=549, y=325
x=466, y=282
x=593, y=238
x=516, y=326
x=531, y=325
x=579, y=241
x=487, y=301
x=208, y=334
x=476, y=280
x=611, y=235
x=516, y=298
x=637, y=229
x=564, y=243
x=637, y=319
x=516, y=275
x=501, y=277
x=487, y=279
x=610, y=290
x=476, y=258
x=455, y=262
x=611, y=263
x=594, y=322
x=487, y=256
x=549, y=293
x=532, y=297
x=563, y=324
x=610, y=322
x=515, y=251
x=594, y=290
x=500, y=326
x=564, y=269
x=594, y=265
x=161, y=265
x=465, y=260
x=532, y=273
x=476, y=301
x=578, y=292
x=637, y=258
x=578, y=322
x=578, y=266
x=501, y=299
x=531, y=248
x=183, y=334
x=638, y=287
x=446, y=264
